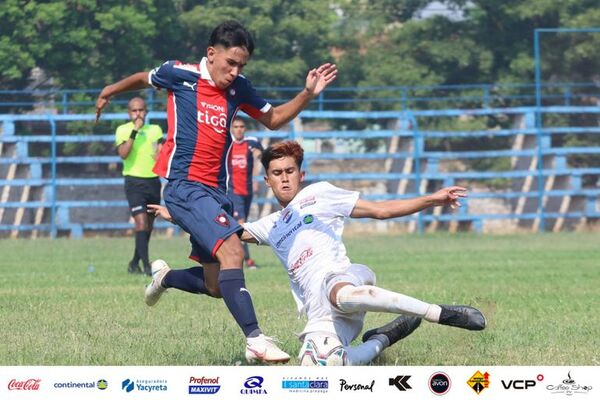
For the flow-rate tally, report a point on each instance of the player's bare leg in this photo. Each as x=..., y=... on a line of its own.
x=351, y=298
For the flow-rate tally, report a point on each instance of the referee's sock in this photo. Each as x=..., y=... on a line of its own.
x=141, y=244
x=189, y=280
x=238, y=300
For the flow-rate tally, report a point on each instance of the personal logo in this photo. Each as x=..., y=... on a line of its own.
x=478, y=382
x=308, y=219
x=521, y=384
x=569, y=387
x=203, y=385
x=401, y=382
x=102, y=384
x=26, y=384
x=144, y=385
x=439, y=383
x=254, y=386
x=222, y=220
x=287, y=216
x=305, y=385
x=344, y=385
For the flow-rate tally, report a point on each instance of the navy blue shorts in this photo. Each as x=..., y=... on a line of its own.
x=204, y=212
x=241, y=205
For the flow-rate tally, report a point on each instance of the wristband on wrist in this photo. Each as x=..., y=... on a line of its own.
x=133, y=134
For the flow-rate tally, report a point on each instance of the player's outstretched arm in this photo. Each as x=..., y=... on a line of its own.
x=398, y=208
x=136, y=81
x=316, y=81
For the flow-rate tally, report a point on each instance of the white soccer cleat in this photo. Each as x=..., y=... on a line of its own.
x=263, y=349
x=155, y=289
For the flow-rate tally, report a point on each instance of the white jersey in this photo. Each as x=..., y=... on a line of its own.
x=307, y=237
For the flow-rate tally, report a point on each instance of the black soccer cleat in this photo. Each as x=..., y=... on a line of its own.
x=464, y=317
x=134, y=268
x=396, y=330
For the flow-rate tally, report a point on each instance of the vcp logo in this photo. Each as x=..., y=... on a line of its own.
x=253, y=385
x=521, y=384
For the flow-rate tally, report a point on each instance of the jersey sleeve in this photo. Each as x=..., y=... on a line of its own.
x=164, y=76
x=252, y=104
x=254, y=143
x=122, y=134
x=337, y=201
x=260, y=229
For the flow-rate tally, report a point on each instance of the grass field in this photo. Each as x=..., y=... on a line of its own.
x=540, y=293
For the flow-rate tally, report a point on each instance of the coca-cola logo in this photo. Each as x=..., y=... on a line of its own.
x=29, y=384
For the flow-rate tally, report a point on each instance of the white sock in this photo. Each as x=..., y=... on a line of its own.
x=364, y=353
x=372, y=298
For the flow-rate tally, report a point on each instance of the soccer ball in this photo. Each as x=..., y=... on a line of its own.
x=323, y=350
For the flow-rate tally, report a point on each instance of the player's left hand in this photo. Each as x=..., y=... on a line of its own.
x=318, y=78
x=449, y=196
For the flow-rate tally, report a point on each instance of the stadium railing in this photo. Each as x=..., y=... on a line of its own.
x=338, y=98
x=531, y=180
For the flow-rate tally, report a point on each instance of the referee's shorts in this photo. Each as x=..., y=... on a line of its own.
x=140, y=192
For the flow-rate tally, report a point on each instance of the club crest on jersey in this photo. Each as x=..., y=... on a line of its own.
x=287, y=215
x=222, y=220
x=308, y=219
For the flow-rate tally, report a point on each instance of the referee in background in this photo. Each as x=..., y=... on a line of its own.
x=138, y=144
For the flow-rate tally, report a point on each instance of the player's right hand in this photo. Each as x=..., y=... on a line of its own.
x=101, y=102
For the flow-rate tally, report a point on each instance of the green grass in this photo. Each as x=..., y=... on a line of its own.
x=540, y=294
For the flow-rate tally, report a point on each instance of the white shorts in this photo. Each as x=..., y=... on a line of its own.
x=325, y=318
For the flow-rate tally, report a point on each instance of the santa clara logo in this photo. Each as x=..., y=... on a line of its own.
x=478, y=382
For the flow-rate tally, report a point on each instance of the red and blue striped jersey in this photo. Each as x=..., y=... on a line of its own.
x=199, y=116
x=242, y=163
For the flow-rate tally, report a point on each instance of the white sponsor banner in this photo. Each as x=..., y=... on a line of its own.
x=281, y=382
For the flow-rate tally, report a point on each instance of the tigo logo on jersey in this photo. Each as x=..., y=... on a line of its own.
x=28, y=384
x=144, y=385
x=304, y=385
x=479, y=381
x=253, y=385
x=203, y=385
x=439, y=383
x=209, y=117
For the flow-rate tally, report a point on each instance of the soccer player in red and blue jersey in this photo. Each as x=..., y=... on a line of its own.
x=203, y=99
x=244, y=151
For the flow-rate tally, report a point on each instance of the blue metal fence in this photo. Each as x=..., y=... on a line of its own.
x=68, y=101
x=404, y=160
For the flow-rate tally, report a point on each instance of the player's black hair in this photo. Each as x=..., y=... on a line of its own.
x=232, y=34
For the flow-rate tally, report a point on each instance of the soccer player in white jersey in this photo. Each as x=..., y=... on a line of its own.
x=335, y=294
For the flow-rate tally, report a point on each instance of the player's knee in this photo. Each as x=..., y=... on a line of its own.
x=214, y=291
x=231, y=254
